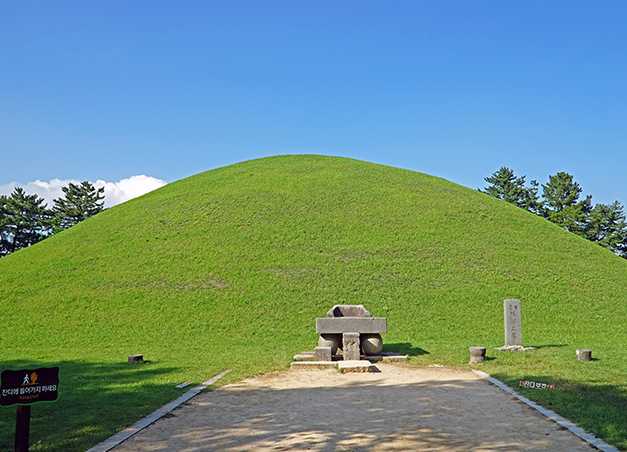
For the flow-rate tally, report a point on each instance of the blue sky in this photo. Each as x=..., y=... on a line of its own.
x=111, y=90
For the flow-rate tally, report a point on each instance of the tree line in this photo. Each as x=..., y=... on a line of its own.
x=604, y=224
x=25, y=219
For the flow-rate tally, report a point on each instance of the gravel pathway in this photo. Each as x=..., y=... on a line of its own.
x=399, y=408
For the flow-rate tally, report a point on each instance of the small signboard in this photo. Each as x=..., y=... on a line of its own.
x=28, y=386
x=535, y=385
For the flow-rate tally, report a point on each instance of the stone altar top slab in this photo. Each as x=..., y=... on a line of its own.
x=362, y=325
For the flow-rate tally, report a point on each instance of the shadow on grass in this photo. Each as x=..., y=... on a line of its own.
x=549, y=346
x=405, y=348
x=95, y=401
x=597, y=408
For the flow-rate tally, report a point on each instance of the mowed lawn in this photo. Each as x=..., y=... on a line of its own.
x=229, y=269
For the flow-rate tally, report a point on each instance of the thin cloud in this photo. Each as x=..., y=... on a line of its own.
x=115, y=192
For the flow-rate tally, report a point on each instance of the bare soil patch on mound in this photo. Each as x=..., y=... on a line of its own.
x=399, y=408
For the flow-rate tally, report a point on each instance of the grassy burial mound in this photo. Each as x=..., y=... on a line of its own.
x=229, y=269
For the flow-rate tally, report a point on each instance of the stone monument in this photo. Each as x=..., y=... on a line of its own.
x=513, y=323
x=513, y=326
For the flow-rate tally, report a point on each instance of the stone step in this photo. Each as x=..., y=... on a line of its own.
x=304, y=356
x=388, y=357
x=313, y=365
x=383, y=357
x=357, y=366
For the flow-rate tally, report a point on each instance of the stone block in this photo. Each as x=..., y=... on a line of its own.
x=387, y=357
x=357, y=366
x=322, y=354
x=304, y=356
x=341, y=325
x=351, y=346
x=348, y=310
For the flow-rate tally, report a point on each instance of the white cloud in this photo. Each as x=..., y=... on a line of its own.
x=47, y=190
x=115, y=192
x=134, y=186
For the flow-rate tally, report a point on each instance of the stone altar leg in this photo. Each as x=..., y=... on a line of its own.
x=350, y=346
x=371, y=344
x=330, y=340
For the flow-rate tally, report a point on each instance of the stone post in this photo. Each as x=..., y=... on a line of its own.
x=350, y=342
x=584, y=354
x=477, y=354
x=135, y=358
x=513, y=324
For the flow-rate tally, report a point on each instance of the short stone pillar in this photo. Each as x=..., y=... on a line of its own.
x=584, y=354
x=513, y=323
x=322, y=354
x=477, y=354
x=350, y=346
x=135, y=358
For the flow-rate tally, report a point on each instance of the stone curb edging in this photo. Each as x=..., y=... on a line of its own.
x=581, y=433
x=125, y=434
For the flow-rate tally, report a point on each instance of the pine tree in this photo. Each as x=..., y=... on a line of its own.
x=79, y=203
x=506, y=186
x=607, y=226
x=24, y=221
x=562, y=205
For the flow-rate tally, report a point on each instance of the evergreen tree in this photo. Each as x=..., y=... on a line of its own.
x=506, y=186
x=24, y=221
x=607, y=226
x=79, y=203
x=562, y=205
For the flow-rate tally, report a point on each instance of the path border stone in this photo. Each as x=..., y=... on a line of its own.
x=125, y=434
x=581, y=433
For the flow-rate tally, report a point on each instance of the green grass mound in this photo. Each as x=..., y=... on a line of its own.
x=229, y=269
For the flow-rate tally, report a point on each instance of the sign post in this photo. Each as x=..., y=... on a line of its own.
x=22, y=428
x=23, y=387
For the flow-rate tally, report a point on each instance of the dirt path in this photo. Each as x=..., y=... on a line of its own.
x=399, y=408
